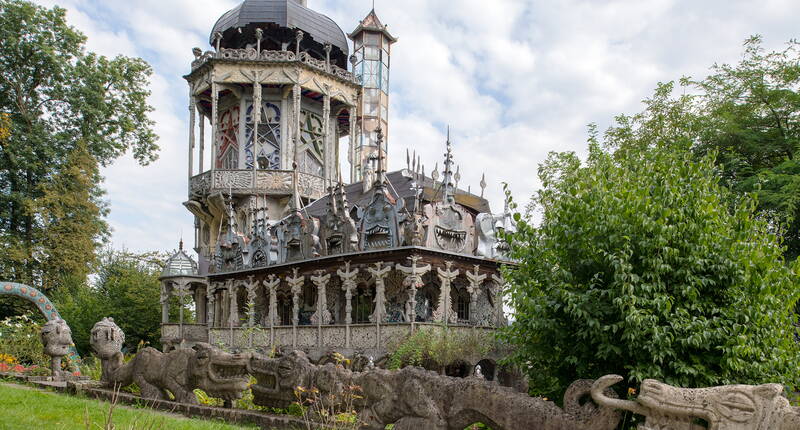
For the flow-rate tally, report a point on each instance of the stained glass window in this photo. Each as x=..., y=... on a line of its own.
x=228, y=143
x=268, y=145
x=312, y=137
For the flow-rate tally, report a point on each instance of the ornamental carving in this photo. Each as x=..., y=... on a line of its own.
x=274, y=181
x=200, y=184
x=239, y=179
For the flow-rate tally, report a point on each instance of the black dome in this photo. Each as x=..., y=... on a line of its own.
x=284, y=13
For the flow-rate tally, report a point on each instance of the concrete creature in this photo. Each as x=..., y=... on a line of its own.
x=178, y=372
x=730, y=407
x=57, y=340
x=413, y=398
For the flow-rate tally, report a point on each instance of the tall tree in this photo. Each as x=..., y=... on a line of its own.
x=70, y=111
x=642, y=267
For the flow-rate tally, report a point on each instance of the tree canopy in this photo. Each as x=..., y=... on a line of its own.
x=65, y=112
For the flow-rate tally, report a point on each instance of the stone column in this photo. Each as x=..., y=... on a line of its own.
x=272, y=287
x=349, y=284
x=413, y=281
x=166, y=294
x=212, y=303
x=499, y=287
x=251, y=301
x=233, y=315
x=326, y=138
x=351, y=154
x=296, y=107
x=322, y=316
x=200, y=303
x=444, y=311
x=379, y=273
x=192, y=111
x=256, y=121
x=201, y=164
x=214, y=121
x=474, y=288
x=296, y=284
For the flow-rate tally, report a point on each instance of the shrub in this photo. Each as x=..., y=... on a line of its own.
x=20, y=342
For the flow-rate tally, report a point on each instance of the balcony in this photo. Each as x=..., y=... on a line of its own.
x=263, y=182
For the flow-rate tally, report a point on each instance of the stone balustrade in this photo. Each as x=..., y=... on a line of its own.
x=269, y=182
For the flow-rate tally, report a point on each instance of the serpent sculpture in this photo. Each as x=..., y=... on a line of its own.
x=730, y=407
x=413, y=398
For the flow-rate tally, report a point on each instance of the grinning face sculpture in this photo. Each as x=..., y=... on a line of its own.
x=453, y=228
x=56, y=338
x=279, y=377
x=106, y=338
x=379, y=226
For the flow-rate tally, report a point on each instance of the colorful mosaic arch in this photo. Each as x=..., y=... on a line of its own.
x=44, y=305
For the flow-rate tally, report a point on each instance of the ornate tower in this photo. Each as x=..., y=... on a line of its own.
x=276, y=93
x=371, y=60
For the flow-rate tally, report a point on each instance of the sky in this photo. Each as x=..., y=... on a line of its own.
x=514, y=79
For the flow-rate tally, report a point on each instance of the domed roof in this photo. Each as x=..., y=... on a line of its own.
x=180, y=264
x=287, y=14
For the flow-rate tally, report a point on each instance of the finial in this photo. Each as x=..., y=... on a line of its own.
x=408, y=160
x=457, y=177
x=180, y=245
x=447, y=180
x=435, y=173
x=259, y=38
x=483, y=184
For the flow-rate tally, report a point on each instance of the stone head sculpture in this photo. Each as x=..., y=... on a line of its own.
x=106, y=341
x=57, y=340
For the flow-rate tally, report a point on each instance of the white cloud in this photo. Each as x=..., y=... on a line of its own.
x=515, y=78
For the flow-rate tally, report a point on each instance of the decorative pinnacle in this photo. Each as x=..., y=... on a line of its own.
x=447, y=180
x=483, y=184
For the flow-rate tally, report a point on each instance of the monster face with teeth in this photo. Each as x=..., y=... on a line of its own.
x=452, y=227
x=379, y=226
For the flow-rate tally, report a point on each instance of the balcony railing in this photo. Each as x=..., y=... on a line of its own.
x=251, y=54
x=269, y=182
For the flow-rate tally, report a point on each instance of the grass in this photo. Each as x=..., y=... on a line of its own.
x=24, y=408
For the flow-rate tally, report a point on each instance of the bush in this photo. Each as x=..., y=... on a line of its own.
x=439, y=347
x=643, y=267
x=20, y=342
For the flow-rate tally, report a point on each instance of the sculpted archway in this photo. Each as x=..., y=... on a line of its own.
x=45, y=306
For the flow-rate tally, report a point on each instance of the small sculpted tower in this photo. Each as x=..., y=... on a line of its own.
x=372, y=44
x=276, y=94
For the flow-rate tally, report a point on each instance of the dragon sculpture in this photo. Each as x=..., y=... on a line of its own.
x=730, y=407
x=413, y=398
x=179, y=372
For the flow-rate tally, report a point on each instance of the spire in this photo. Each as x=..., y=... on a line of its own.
x=294, y=204
x=447, y=180
x=380, y=176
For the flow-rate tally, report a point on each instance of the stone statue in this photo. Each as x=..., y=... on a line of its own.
x=731, y=407
x=178, y=372
x=57, y=340
x=415, y=399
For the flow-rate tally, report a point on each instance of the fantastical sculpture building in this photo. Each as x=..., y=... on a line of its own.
x=291, y=256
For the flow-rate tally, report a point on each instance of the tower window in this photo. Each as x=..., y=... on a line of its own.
x=267, y=145
x=312, y=138
x=228, y=144
x=462, y=305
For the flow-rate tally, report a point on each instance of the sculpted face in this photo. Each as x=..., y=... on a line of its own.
x=56, y=338
x=106, y=338
x=379, y=225
x=219, y=373
x=278, y=378
x=451, y=233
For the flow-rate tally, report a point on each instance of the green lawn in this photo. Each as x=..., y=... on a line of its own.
x=24, y=408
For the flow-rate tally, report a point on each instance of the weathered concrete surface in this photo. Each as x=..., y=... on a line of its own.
x=57, y=340
x=413, y=398
x=730, y=407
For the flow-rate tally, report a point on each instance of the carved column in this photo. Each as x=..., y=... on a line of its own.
x=296, y=284
x=233, y=314
x=474, y=288
x=256, y=121
x=166, y=293
x=322, y=316
x=413, y=281
x=214, y=123
x=212, y=302
x=499, y=290
x=296, y=107
x=444, y=311
x=192, y=120
x=272, y=286
x=201, y=304
x=351, y=154
x=251, y=301
x=379, y=273
x=349, y=284
x=326, y=138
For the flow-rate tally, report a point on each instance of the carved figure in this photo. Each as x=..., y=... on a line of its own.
x=731, y=407
x=380, y=226
x=57, y=340
x=338, y=234
x=178, y=372
x=414, y=399
x=490, y=229
x=451, y=228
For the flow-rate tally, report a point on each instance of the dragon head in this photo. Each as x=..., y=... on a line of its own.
x=218, y=373
x=279, y=377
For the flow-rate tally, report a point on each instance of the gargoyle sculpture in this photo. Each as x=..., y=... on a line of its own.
x=178, y=372
x=730, y=407
x=57, y=340
x=413, y=398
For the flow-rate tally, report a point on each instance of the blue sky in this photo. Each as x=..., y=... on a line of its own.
x=515, y=79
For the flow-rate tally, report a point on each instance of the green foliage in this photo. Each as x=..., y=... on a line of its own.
x=438, y=347
x=749, y=115
x=642, y=267
x=126, y=289
x=65, y=111
x=20, y=338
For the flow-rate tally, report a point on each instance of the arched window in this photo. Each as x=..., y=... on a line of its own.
x=228, y=144
x=312, y=137
x=267, y=145
x=462, y=304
